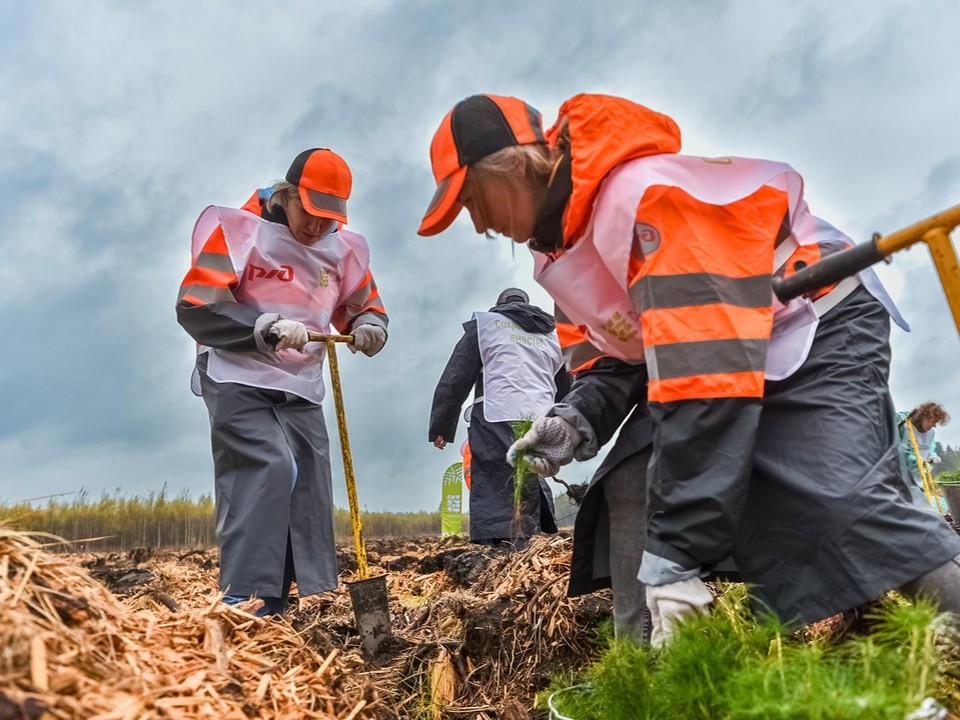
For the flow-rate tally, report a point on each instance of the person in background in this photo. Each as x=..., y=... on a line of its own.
x=665, y=262
x=510, y=358
x=924, y=419
x=263, y=277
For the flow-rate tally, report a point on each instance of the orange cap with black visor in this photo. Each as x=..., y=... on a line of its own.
x=476, y=127
x=324, y=181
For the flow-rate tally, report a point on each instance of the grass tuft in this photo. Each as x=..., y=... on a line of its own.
x=731, y=665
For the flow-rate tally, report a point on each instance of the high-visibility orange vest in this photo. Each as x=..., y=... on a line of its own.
x=675, y=269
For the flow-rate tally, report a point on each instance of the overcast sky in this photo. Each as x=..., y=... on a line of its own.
x=121, y=121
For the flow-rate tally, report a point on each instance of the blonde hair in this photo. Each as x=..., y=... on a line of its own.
x=530, y=162
x=510, y=169
x=283, y=193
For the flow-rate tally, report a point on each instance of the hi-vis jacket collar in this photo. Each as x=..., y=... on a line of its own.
x=324, y=181
x=604, y=132
x=476, y=127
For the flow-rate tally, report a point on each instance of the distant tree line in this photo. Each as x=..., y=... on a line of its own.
x=119, y=522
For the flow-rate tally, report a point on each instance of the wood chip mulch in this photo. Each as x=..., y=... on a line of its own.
x=71, y=649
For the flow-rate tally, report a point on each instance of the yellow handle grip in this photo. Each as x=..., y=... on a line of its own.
x=320, y=337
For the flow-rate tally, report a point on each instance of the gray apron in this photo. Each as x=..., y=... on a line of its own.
x=830, y=522
x=272, y=468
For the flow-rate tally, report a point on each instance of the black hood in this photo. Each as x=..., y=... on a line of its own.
x=529, y=317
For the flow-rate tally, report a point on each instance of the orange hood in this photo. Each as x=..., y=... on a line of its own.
x=604, y=132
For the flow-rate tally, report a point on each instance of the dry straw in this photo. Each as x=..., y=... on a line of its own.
x=70, y=649
x=476, y=640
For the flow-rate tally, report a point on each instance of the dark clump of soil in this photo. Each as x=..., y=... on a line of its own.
x=402, y=562
x=436, y=562
x=493, y=623
x=483, y=630
x=120, y=572
x=29, y=709
x=467, y=567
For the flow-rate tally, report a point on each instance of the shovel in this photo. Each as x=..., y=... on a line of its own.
x=371, y=607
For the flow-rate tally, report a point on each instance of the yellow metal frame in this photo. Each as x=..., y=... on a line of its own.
x=935, y=232
x=331, y=342
x=926, y=477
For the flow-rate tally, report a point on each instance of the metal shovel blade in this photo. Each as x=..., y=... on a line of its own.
x=371, y=609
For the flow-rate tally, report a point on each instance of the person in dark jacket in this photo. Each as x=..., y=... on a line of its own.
x=511, y=359
x=262, y=278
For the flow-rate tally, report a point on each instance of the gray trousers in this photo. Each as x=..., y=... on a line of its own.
x=625, y=492
x=942, y=585
x=273, y=487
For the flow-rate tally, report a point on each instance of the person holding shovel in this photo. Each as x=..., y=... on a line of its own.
x=262, y=278
x=923, y=419
x=510, y=358
x=665, y=261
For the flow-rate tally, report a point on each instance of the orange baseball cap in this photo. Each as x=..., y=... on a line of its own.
x=324, y=181
x=476, y=127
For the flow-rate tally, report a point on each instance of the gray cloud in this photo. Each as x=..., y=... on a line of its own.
x=122, y=121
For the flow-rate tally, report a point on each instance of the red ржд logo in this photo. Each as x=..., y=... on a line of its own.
x=284, y=273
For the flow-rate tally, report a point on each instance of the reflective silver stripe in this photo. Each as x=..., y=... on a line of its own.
x=708, y=357
x=783, y=252
x=438, y=195
x=359, y=295
x=325, y=201
x=829, y=301
x=214, y=261
x=207, y=293
x=656, y=292
x=576, y=355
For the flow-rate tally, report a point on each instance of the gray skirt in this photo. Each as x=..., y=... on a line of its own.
x=830, y=521
x=272, y=477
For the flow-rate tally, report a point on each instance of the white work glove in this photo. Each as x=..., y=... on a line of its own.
x=935, y=460
x=546, y=446
x=368, y=339
x=670, y=603
x=290, y=334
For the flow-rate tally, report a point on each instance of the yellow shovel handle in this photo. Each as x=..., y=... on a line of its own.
x=321, y=337
x=331, y=341
x=929, y=489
